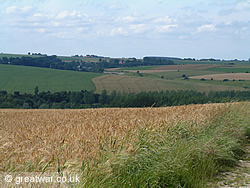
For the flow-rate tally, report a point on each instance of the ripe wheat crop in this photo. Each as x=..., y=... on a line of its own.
x=75, y=135
x=183, y=146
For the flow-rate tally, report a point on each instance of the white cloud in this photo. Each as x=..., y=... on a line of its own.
x=165, y=19
x=119, y=31
x=62, y=15
x=17, y=10
x=38, y=15
x=243, y=5
x=166, y=28
x=138, y=28
x=41, y=30
x=11, y=10
x=74, y=14
x=126, y=19
x=207, y=28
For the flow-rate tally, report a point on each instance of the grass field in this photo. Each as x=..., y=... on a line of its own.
x=85, y=59
x=25, y=79
x=184, y=146
x=187, y=73
x=232, y=69
x=127, y=84
x=139, y=68
x=229, y=76
x=234, y=84
x=63, y=58
x=155, y=78
x=138, y=84
x=183, y=62
x=14, y=55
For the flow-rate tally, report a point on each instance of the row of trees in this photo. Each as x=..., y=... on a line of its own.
x=56, y=63
x=88, y=99
x=52, y=62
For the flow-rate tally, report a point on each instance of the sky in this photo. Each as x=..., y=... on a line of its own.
x=127, y=28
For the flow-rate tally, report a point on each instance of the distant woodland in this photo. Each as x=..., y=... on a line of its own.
x=54, y=62
x=88, y=99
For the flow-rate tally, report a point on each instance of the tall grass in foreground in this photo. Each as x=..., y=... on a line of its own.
x=179, y=155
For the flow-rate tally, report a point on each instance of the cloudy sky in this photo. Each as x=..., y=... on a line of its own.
x=127, y=28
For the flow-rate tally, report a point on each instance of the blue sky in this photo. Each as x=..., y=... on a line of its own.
x=127, y=28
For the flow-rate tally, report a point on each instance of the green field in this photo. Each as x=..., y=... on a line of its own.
x=14, y=55
x=63, y=58
x=137, y=84
x=210, y=62
x=180, y=74
x=236, y=84
x=155, y=78
x=25, y=79
x=138, y=68
x=231, y=69
x=85, y=59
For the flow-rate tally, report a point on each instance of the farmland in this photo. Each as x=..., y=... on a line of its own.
x=172, y=76
x=188, y=141
x=127, y=84
x=138, y=84
x=228, y=76
x=25, y=79
x=150, y=78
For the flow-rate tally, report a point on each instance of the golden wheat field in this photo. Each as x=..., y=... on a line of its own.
x=75, y=135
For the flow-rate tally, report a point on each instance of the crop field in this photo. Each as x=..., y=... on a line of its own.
x=229, y=76
x=25, y=79
x=139, y=84
x=169, y=68
x=85, y=59
x=13, y=55
x=98, y=142
x=183, y=62
x=127, y=84
x=180, y=74
x=232, y=68
x=139, y=68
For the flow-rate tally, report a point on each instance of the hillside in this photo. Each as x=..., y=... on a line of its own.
x=202, y=76
x=25, y=79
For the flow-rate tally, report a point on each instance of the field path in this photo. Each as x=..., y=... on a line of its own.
x=240, y=177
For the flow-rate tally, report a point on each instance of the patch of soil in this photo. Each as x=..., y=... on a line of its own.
x=240, y=177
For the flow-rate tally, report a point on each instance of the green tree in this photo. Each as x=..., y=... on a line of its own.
x=36, y=90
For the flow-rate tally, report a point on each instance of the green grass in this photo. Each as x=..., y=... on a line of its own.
x=139, y=68
x=187, y=73
x=14, y=55
x=231, y=70
x=25, y=79
x=182, y=155
x=133, y=83
x=85, y=59
x=63, y=58
x=236, y=84
x=211, y=62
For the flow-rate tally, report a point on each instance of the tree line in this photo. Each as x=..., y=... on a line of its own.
x=89, y=99
x=54, y=62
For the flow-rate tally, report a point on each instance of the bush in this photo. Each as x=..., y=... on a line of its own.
x=44, y=106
